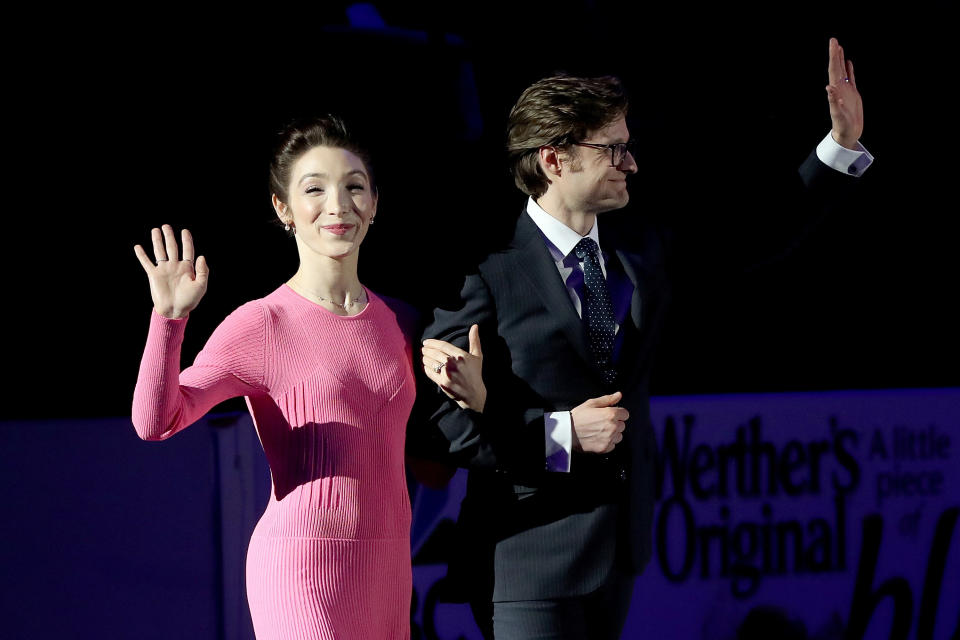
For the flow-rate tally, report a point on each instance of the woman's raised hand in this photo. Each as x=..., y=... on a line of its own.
x=176, y=284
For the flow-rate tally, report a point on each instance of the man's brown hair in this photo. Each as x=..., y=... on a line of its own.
x=558, y=111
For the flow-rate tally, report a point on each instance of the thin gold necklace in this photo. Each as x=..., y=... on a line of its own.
x=361, y=298
x=346, y=307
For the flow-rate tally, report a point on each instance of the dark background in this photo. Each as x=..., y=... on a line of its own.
x=123, y=122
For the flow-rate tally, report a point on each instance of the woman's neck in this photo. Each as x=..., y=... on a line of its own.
x=330, y=280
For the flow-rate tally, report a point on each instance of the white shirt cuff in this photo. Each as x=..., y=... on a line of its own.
x=558, y=440
x=838, y=157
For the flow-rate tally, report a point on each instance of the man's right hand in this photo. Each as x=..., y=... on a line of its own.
x=598, y=424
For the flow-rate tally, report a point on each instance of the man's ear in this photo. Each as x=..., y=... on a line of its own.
x=550, y=161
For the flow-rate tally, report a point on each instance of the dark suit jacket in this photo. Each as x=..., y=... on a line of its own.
x=526, y=533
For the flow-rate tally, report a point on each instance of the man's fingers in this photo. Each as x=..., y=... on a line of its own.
x=834, y=70
x=475, y=341
x=853, y=79
x=841, y=67
x=605, y=401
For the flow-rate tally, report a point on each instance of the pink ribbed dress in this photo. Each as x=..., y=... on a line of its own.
x=330, y=396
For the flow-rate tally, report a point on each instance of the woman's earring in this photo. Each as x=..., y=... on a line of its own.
x=372, y=220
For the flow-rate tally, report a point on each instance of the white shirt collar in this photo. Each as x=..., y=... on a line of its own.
x=560, y=235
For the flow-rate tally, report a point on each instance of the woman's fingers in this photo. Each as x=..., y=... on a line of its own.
x=439, y=358
x=434, y=364
x=474, y=338
x=438, y=377
x=438, y=372
x=436, y=354
x=144, y=259
x=445, y=347
x=173, y=252
x=187, y=240
x=175, y=287
x=159, y=251
x=165, y=248
x=202, y=271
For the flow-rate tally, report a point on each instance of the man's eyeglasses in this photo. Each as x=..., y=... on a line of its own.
x=618, y=150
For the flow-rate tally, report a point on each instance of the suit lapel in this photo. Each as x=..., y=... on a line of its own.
x=537, y=266
x=631, y=266
x=634, y=267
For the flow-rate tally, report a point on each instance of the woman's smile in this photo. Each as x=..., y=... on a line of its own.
x=338, y=229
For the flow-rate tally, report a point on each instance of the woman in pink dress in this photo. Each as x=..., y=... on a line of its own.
x=327, y=373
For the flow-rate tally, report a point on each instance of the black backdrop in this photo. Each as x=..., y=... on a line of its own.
x=121, y=122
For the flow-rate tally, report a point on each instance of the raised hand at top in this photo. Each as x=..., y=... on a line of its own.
x=176, y=284
x=846, y=107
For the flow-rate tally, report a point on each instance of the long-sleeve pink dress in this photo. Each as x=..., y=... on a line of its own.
x=330, y=396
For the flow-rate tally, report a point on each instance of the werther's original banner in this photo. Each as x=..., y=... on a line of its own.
x=809, y=515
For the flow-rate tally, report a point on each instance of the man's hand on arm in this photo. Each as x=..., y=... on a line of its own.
x=598, y=424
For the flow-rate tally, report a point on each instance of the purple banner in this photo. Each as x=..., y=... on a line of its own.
x=785, y=515
x=779, y=516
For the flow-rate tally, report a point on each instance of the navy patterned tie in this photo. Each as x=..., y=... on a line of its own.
x=597, y=309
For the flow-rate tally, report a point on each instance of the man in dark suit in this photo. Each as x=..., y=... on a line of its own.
x=557, y=518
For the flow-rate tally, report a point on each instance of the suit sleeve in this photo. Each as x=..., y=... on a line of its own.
x=508, y=435
x=826, y=184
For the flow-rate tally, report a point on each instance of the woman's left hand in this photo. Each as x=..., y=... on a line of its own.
x=459, y=373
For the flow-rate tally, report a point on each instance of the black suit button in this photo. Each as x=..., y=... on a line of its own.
x=622, y=474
